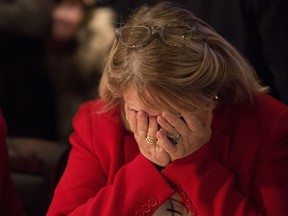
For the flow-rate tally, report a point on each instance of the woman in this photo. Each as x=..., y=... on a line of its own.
x=182, y=128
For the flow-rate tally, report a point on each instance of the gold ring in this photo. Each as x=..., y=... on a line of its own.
x=151, y=140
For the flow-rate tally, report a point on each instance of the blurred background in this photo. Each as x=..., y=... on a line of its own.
x=52, y=54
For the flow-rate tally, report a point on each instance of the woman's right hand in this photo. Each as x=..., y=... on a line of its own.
x=193, y=131
x=144, y=126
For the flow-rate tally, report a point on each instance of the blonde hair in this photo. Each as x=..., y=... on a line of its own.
x=174, y=77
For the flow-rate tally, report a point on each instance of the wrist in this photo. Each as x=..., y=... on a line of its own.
x=158, y=167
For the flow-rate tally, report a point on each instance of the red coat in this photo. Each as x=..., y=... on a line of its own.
x=9, y=203
x=241, y=171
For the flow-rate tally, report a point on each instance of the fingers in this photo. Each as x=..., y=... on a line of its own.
x=194, y=129
x=158, y=145
x=153, y=127
x=194, y=121
x=142, y=124
x=164, y=142
x=148, y=142
x=171, y=132
x=151, y=132
x=172, y=124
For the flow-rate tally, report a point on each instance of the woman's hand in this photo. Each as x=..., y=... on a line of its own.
x=144, y=126
x=194, y=130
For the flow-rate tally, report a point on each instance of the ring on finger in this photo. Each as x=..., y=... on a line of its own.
x=151, y=140
x=175, y=139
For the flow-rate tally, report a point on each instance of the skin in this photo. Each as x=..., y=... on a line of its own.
x=67, y=17
x=194, y=129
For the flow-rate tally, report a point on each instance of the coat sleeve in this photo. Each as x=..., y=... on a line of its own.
x=210, y=188
x=84, y=188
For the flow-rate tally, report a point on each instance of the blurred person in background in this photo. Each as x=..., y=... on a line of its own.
x=81, y=35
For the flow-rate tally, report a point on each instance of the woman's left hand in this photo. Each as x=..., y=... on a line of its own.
x=194, y=131
x=143, y=127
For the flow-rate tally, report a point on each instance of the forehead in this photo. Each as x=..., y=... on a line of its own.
x=133, y=102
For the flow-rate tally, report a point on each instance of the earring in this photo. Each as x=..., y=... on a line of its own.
x=216, y=98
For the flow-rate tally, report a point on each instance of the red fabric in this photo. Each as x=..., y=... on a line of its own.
x=9, y=204
x=241, y=171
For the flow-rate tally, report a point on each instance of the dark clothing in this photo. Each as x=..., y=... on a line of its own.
x=9, y=203
x=26, y=97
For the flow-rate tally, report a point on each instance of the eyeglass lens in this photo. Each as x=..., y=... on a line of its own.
x=178, y=36
x=135, y=36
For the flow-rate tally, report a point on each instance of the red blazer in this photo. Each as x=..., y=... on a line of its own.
x=242, y=170
x=9, y=203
